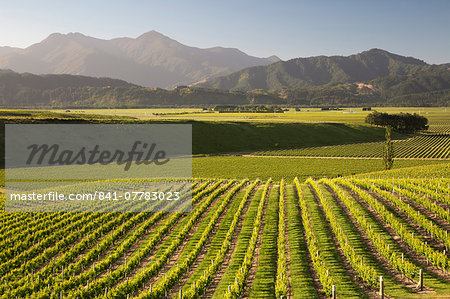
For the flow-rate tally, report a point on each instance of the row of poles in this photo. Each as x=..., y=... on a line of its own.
x=333, y=288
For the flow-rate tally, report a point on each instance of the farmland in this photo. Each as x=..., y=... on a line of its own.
x=243, y=238
x=425, y=146
x=315, y=115
x=273, y=214
x=215, y=150
x=290, y=167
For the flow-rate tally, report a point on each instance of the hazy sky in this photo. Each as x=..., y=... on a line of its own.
x=288, y=29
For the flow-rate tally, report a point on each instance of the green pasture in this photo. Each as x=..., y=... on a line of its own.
x=346, y=115
x=289, y=168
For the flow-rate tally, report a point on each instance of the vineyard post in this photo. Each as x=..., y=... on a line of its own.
x=333, y=291
x=381, y=288
x=181, y=294
x=420, y=284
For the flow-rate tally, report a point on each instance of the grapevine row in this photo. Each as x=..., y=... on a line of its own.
x=420, y=219
x=171, y=278
x=200, y=285
x=318, y=262
x=118, y=252
x=439, y=259
x=241, y=276
x=365, y=271
x=281, y=284
x=397, y=262
x=443, y=213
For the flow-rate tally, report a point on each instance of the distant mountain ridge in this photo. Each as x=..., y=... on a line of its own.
x=322, y=70
x=151, y=60
x=7, y=50
x=425, y=88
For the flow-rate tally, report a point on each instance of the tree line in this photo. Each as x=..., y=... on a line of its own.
x=402, y=122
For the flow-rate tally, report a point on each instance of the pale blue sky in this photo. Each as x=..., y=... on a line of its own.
x=288, y=29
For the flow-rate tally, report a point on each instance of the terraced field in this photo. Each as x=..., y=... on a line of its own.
x=245, y=238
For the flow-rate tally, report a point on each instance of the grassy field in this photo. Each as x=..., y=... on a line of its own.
x=288, y=168
x=214, y=137
x=347, y=115
x=226, y=137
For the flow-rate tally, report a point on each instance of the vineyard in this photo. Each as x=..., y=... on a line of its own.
x=439, y=126
x=245, y=238
x=436, y=146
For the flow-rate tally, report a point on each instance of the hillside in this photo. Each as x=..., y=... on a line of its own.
x=323, y=70
x=151, y=60
x=44, y=82
x=425, y=88
x=28, y=90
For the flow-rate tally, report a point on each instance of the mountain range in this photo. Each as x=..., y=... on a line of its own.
x=74, y=70
x=150, y=60
x=426, y=88
x=323, y=71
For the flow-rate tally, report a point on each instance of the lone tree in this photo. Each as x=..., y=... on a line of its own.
x=388, y=151
x=402, y=122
